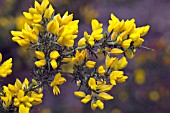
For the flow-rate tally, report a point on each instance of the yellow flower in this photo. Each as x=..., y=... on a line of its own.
x=5, y=68
x=122, y=37
x=82, y=42
x=89, y=38
x=48, y=12
x=67, y=33
x=90, y=64
x=129, y=25
x=96, y=30
x=105, y=96
x=126, y=43
x=130, y=53
x=113, y=23
x=53, y=26
x=101, y=70
x=7, y=99
x=92, y=83
x=44, y=4
x=143, y=30
x=134, y=36
x=38, y=7
x=28, y=15
x=54, y=54
x=13, y=89
x=80, y=56
x=65, y=19
x=22, y=99
x=93, y=105
x=122, y=63
x=79, y=94
x=138, y=42
x=116, y=51
x=23, y=109
x=86, y=99
x=58, y=80
x=117, y=76
x=100, y=104
x=104, y=88
x=27, y=35
x=110, y=62
x=40, y=63
x=37, y=98
x=37, y=18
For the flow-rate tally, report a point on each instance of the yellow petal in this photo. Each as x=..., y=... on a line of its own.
x=126, y=43
x=134, y=36
x=40, y=63
x=54, y=54
x=86, y=99
x=23, y=109
x=100, y=104
x=138, y=42
x=92, y=83
x=16, y=33
x=53, y=63
x=56, y=90
x=95, y=24
x=129, y=53
x=105, y=96
x=44, y=4
x=90, y=64
x=40, y=54
x=110, y=62
x=93, y=105
x=122, y=63
x=79, y=94
x=48, y=12
x=28, y=15
x=105, y=88
x=116, y=51
x=146, y=29
x=101, y=70
x=82, y=42
x=37, y=18
x=38, y=7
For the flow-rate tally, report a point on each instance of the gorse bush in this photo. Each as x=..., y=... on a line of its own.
x=51, y=37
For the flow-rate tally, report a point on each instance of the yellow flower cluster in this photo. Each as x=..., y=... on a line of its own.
x=126, y=34
x=79, y=56
x=25, y=37
x=95, y=35
x=99, y=88
x=65, y=28
x=39, y=12
x=99, y=93
x=5, y=67
x=19, y=95
x=42, y=61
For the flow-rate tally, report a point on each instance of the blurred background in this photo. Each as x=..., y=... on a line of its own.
x=147, y=89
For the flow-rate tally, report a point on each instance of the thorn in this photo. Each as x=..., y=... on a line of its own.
x=144, y=47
